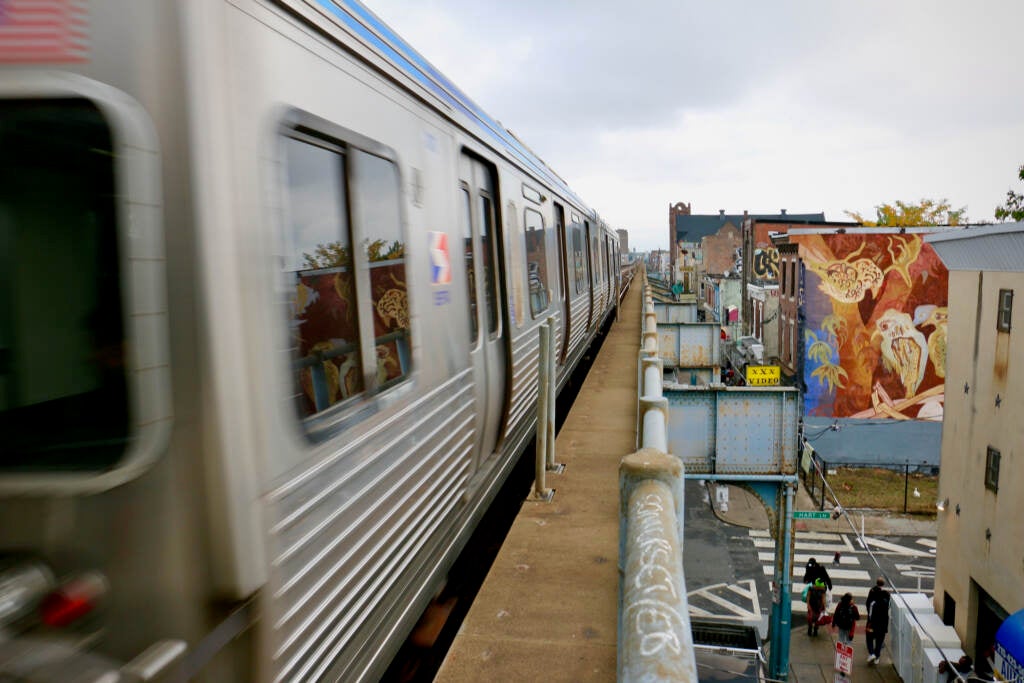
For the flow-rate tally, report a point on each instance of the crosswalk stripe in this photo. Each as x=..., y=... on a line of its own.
x=818, y=536
x=735, y=609
x=928, y=542
x=849, y=574
x=837, y=590
x=769, y=556
x=806, y=535
x=844, y=559
x=820, y=548
x=750, y=592
x=698, y=612
x=747, y=589
x=893, y=547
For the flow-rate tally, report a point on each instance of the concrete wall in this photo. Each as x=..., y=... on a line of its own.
x=982, y=546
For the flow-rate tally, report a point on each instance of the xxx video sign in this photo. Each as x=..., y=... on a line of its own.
x=763, y=375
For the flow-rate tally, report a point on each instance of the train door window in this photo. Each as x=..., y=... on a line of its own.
x=467, y=241
x=610, y=254
x=579, y=260
x=591, y=263
x=563, y=269
x=350, y=313
x=536, y=262
x=64, y=401
x=487, y=251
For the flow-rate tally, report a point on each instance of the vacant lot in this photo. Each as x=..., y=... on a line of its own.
x=882, y=489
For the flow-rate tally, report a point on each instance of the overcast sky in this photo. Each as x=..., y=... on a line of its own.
x=803, y=105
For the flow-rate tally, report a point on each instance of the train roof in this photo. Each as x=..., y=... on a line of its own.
x=378, y=36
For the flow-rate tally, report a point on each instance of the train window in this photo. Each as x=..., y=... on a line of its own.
x=376, y=213
x=467, y=249
x=63, y=368
x=350, y=311
x=532, y=194
x=536, y=262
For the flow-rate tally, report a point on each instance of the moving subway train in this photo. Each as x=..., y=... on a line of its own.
x=268, y=334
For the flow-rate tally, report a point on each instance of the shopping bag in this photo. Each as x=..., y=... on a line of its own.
x=803, y=595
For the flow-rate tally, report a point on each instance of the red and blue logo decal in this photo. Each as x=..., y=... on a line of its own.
x=440, y=263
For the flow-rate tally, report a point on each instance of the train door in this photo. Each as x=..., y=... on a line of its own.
x=488, y=347
x=613, y=280
x=563, y=279
x=593, y=276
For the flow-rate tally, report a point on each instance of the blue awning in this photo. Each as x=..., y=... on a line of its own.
x=1010, y=648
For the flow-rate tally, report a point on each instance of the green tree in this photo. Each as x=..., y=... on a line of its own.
x=330, y=255
x=1014, y=206
x=905, y=214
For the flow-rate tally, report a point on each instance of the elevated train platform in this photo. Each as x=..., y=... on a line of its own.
x=548, y=608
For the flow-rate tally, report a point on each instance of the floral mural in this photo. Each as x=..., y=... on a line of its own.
x=874, y=327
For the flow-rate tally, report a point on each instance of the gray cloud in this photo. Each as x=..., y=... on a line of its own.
x=801, y=104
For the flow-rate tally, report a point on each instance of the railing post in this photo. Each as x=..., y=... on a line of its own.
x=824, y=472
x=653, y=370
x=906, y=484
x=654, y=418
x=550, y=463
x=540, y=490
x=655, y=641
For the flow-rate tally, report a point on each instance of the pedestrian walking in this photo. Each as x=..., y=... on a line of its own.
x=845, y=618
x=815, y=606
x=877, y=625
x=813, y=570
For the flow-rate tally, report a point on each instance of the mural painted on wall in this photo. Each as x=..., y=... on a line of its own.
x=766, y=264
x=875, y=326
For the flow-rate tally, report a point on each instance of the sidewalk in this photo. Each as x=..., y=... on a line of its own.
x=812, y=658
x=747, y=510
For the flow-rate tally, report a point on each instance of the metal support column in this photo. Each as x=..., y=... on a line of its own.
x=782, y=607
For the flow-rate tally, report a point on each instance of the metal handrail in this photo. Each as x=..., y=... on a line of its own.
x=655, y=641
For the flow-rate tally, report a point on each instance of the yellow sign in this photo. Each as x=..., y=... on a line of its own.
x=763, y=375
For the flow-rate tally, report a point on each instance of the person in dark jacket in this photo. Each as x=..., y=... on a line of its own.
x=877, y=625
x=813, y=570
x=845, y=618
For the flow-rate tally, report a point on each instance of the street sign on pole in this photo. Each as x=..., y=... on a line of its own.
x=811, y=514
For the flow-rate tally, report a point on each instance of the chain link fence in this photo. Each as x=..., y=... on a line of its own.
x=907, y=487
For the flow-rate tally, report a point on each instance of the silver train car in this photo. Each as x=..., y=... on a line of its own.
x=268, y=334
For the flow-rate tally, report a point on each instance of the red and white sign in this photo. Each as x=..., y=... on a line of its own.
x=440, y=264
x=844, y=658
x=43, y=31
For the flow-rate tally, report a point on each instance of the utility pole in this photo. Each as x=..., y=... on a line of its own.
x=782, y=608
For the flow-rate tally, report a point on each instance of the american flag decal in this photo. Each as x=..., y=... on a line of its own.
x=47, y=31
x=440, y=265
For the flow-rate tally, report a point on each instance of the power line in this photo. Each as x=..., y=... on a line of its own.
x=841, y=509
